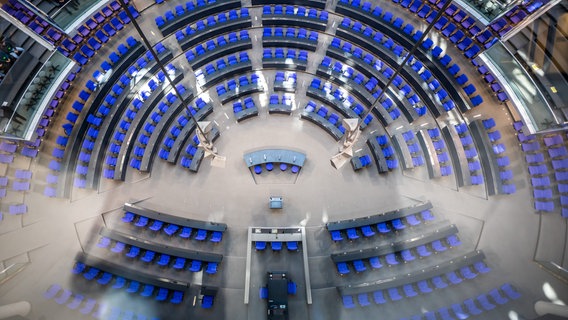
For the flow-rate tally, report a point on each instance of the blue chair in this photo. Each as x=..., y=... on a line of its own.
x=409, y=291
x=177, y=297
x=292, y=245
x=133, y=287
x=481, y=267
x=201, y=235
x=359, y=265
x=260, y=245
x=163, y=295
x=133, y=252
x=195, y=266
x=211, y=268
x=375, y=262
x=185, y=232
x=147, y=290
x=276, y=245
x=472, y=307
x=438, y=282
x=164, y=260
x=484, y=302
x=394, y=294
x=263, y=292
x=423, y=286
x=367, y=231
x=156, y=225
x=352, y=234
x=510, y=291
x=207, y=302
x=179, y=263
x=348, y=302
x=292, y=288
x=216, y=236
x=454, y=278
x=148, y=256
x=342, y=268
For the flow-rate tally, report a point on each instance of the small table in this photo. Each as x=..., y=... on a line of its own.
x=275, y=202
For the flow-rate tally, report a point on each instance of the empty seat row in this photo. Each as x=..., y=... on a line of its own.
x=276, y=245
x=398, y=257
x=88, y=306
x=297, y=12
x=183, y=232
x=245, y=109
x=211, y=45
x=150, y=126
x=474, y=306
x=414, y=289
x=329, y=121
x=299, y=33
x=131, y=286
x=168, y=146
x=339, y=100
x=202, y=24
x=386, y=227
x=160, y=259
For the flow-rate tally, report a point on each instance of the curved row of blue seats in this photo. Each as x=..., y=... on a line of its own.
x=190, y=6
x=372, y=84
x=110, y=102
x=128, y=116
x=190, y=150
x=231, y=84
x=211, y=21
x=424, y=286
x=346, y=101
x=298, y=11
x=402, y=256
x=291, y=32
x=534, y=156
x=445, y=60
x=425, y=12
x=378, y=64
x=193, y=12
x=384, y=227
x=472, y=154
x=291, y=53
x=323, y=112
x=93, y=44
x=176, y=129
x=150, y=125
x=209, y=50
x=104, y=278
x=88, y=306
x=184, y=232
x=149, y=256
x=414, y=148
x=441, y=151
x=215, y=74
x=387, y=151
x=91, y=132
x=505, y=175
x=473, y=306
x=426, y=45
